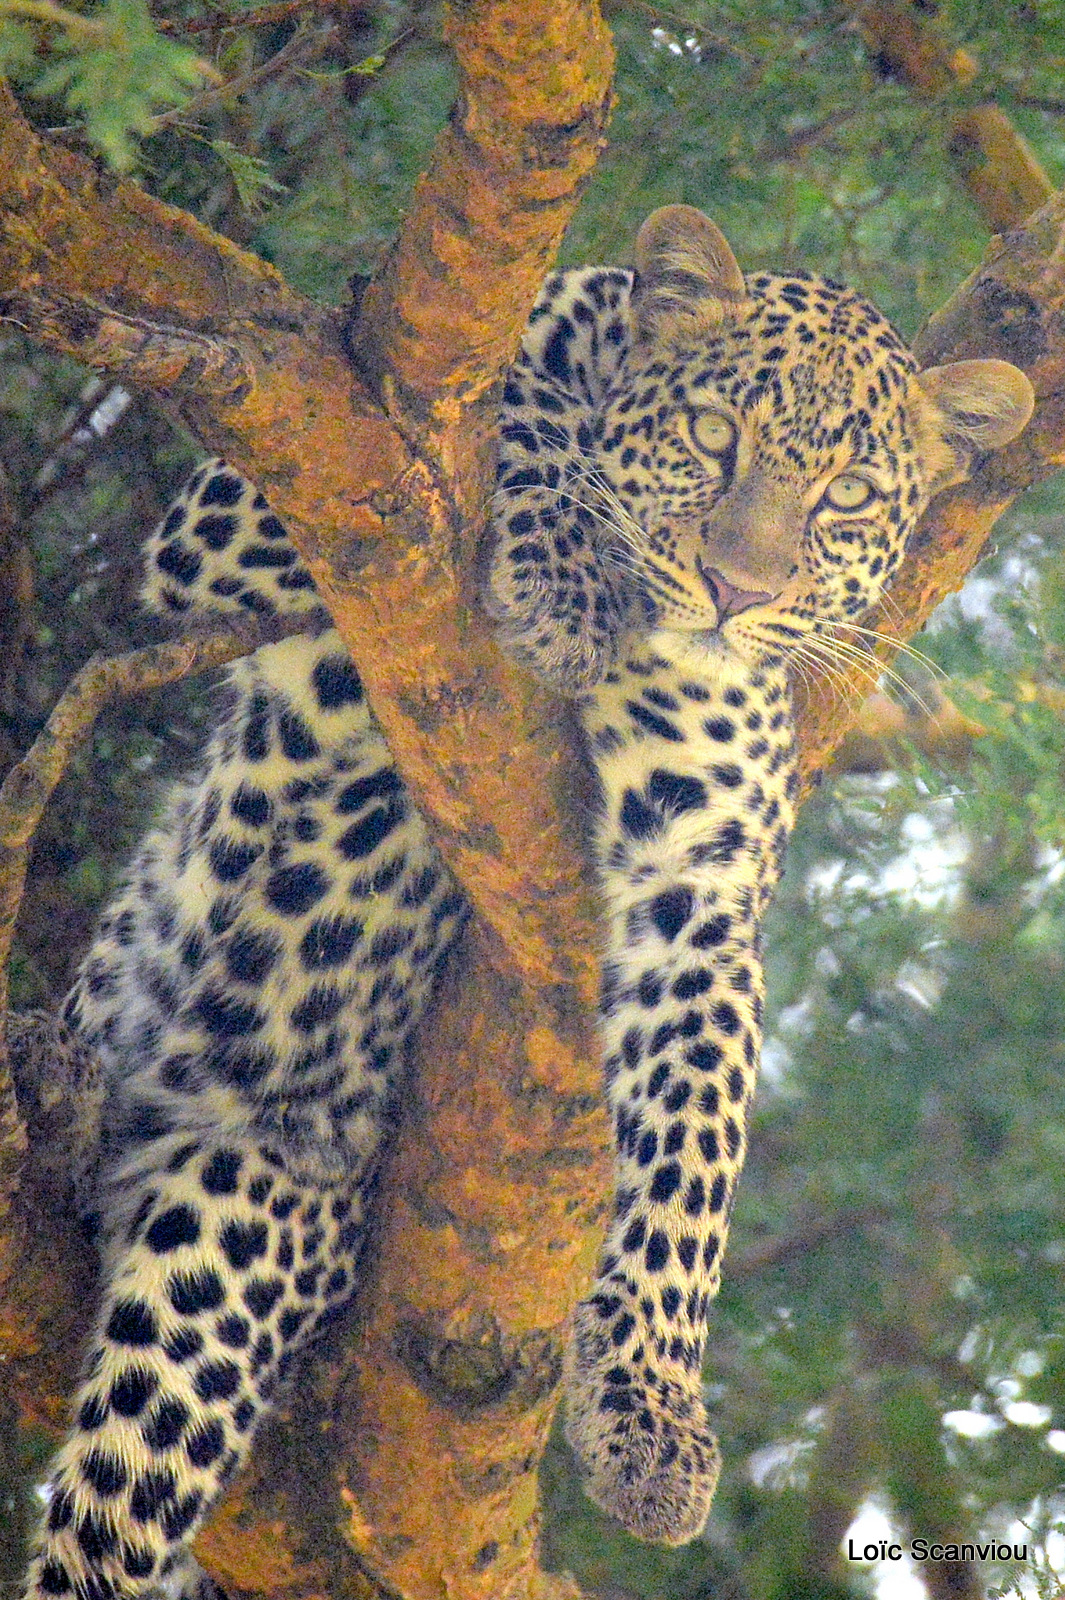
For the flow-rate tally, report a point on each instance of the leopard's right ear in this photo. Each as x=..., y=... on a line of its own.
x=688, y=282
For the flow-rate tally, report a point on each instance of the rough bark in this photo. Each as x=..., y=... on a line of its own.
x=412, y=1469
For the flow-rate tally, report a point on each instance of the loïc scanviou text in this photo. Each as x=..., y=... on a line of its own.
x=926, y=1550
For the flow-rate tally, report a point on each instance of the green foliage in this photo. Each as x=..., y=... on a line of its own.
x=350, y=167
x=113, y=69
x=774, y=118
x=251, y=175
x=830, y=165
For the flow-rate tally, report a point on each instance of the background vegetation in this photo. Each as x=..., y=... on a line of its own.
x=891, y=1335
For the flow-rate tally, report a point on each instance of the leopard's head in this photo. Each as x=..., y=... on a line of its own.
x=770, y=444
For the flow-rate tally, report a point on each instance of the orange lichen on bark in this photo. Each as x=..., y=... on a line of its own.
x=381, y=530
x=480, y=1255
x=440, y=1402
x=485, y=220
x=64, y=228
x=391, y=538
x=479, y=1514
x=249, y=1549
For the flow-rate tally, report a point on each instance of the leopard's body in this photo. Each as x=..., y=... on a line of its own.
x=702, y=481
x=250, y=992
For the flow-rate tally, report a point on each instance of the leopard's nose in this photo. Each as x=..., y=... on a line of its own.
x=727, y=597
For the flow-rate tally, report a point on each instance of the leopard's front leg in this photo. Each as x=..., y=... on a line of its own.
x=697, y=776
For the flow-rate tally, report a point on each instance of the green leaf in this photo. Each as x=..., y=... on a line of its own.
x=252, y=178
x=119, y=77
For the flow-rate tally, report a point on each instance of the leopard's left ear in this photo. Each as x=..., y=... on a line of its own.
x=977, y=405
x=688, y=282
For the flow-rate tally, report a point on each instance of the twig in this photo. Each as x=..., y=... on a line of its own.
x=663, y=17
x=262, y=17
x=812, y=1230
x=994, y=163
x=786, y=146
x=309, y=42
x=30, y=783
x=16, y=594
x=143, y=351
x=1041, y=102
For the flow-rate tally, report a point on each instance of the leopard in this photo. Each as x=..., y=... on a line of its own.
x=250, y=993
x=704, y=481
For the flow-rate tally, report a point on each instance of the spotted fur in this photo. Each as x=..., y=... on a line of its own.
x=251, y=991
x=702, y=482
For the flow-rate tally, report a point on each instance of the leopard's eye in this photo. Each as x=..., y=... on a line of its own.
x=712, y=432
x=848, y=492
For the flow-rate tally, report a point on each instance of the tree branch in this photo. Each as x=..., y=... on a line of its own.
x=63, y=230
x=260, y=376
x=444, y=316
x=995, y=163
x=149, y=354
x=30, y=783
x=811, y=1230
x=513, y=1056
x=305, y=45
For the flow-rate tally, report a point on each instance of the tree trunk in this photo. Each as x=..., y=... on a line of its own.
x=411, y=1470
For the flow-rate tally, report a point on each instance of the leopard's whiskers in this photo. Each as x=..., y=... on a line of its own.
x=904, y=648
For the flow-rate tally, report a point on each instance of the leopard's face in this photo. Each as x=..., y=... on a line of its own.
x=738, y=462
x=760, y=466
x=765, y=481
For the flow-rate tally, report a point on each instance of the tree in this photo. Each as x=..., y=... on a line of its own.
x=371, y=443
